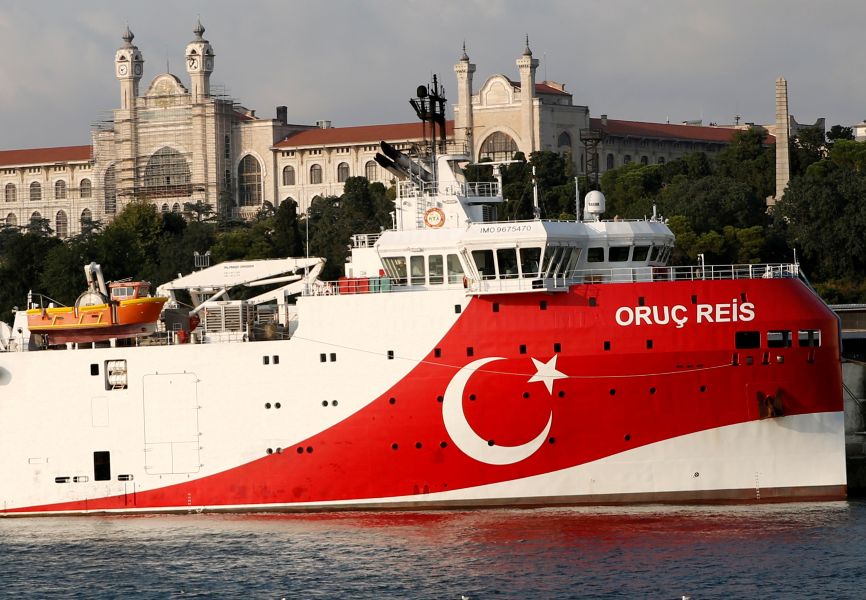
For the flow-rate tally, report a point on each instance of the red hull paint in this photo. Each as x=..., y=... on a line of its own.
x=618, y=396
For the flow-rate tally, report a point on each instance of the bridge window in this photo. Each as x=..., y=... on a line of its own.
x=530, y=260
x=416, y=268
x=455, y=269
x=395, y=267
x=507, y=259
x=595, y=255
x=484, y=263
x=559, y=261
x=435, y=269
x=640, y=253
x=618, y=253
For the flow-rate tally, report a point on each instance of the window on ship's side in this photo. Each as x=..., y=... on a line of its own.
x=745, y=340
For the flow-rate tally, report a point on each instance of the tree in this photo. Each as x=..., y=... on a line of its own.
x=838, y=132
x=23, y=260
x=287, y=236
x=203, y=211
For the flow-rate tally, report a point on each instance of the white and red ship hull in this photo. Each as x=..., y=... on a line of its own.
x=633, y=392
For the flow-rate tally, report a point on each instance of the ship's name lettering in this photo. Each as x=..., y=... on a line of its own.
x=504, y=228
x=679, y=315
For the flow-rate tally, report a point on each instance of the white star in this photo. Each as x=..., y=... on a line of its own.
x=547, y=373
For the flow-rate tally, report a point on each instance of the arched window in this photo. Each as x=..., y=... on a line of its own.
x=11, y=192
x=86, y=217
x=564, y=140
x=316, y=174
x=60, y=190
x=11, y=220
x=610, y=161
x=164, y=208
x=644, y=160
x=85, y=189
x=626, y=159
x=661, y=160
x=110, y=190
x=35, y=218
x=371, y=170
x=167, y=175
x=342, y=172
x=175, y=208
x=498, y=146
x=249, y=181
x=289, y=175
x=61, y=224
x=35, y=192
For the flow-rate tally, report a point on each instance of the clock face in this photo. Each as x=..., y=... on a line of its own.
x=192, y=62
x=122, y=70
x=137, y=69
x=208, y=63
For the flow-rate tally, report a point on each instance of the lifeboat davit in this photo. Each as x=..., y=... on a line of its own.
x=123, y=310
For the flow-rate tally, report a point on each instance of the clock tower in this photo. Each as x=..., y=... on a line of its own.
x=128, y=67
x=199, y=65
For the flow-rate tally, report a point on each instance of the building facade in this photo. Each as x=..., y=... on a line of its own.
x=180, y=143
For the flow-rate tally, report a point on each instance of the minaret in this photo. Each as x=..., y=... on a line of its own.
x=128, y=67
x=199, y=65
x=463, y=120
x=783, y=163
x=527, y=65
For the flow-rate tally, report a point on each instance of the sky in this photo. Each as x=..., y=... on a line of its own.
x=357, y=62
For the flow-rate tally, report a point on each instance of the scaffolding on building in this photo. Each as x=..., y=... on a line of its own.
x=168, y=151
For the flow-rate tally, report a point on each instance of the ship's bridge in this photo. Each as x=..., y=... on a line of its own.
x=512, y=256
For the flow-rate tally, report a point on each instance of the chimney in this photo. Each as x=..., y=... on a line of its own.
x=604, y=120
x=282, y=114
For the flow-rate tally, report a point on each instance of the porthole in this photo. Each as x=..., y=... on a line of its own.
x=267, y=404
x=491, y=443
x=394, y=446
x=613, y=392
x=526, y=394
x=392, y=401
x=627, y=437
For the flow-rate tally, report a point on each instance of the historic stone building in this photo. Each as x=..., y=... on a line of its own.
x=179, y=143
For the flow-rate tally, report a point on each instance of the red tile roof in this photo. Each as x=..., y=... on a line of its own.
x=543, y=88
x=669, y=131
x=41, y=156
x=373, y=134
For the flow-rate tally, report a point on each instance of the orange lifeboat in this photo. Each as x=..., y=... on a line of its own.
x=126, y=311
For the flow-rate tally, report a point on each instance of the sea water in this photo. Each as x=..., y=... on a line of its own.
x=808, y=550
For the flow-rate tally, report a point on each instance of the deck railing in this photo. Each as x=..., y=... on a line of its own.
x=513, y=284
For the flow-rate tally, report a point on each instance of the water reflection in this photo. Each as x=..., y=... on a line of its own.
x=655, y=551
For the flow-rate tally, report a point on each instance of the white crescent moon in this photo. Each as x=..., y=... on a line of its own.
x=465, y=437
